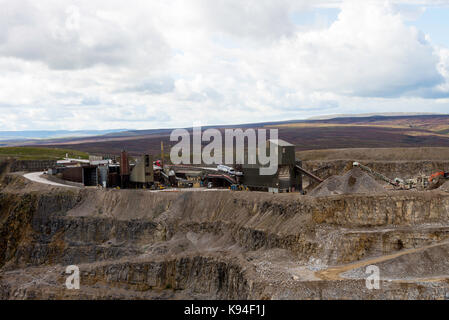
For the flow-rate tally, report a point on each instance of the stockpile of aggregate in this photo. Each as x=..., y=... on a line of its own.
x=445, y=187
x=353, y=181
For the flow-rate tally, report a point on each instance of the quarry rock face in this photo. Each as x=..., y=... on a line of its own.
x=134, y=244
x=405, y=169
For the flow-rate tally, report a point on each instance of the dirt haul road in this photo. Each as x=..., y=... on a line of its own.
x=334, y=273
x=36, y=177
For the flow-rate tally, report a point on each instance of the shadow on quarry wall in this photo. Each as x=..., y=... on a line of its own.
x=5, y=167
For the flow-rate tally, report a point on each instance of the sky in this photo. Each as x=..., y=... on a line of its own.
x=107, y=64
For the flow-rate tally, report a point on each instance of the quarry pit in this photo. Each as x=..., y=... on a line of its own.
x=137, y=244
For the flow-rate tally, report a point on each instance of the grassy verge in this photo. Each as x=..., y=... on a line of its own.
x=37, y=153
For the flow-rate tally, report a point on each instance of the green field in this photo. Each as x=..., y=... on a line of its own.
x=34, y=153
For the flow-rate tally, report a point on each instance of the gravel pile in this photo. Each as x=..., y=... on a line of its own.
x=354, y=181
x=445, y=187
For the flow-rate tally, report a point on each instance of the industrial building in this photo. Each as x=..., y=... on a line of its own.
x=287, y=177
x=139, y=173
x=144, y=172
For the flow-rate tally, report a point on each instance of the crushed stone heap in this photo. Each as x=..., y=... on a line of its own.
x=445, y=187
x=353, y=181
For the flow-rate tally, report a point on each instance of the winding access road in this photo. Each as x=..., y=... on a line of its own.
x=334, y=273
x=36, y=177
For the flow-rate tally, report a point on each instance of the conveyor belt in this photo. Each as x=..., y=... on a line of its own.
x=309, y=174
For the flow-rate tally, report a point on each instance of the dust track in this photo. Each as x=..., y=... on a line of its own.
x=334, y=273
x=36, y=177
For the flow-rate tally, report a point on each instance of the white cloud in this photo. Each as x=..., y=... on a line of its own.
x=368, y=51
x=109, y=64
x=78, y=35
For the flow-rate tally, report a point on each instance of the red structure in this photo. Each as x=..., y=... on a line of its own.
x=124, y=163
x=124, y=169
